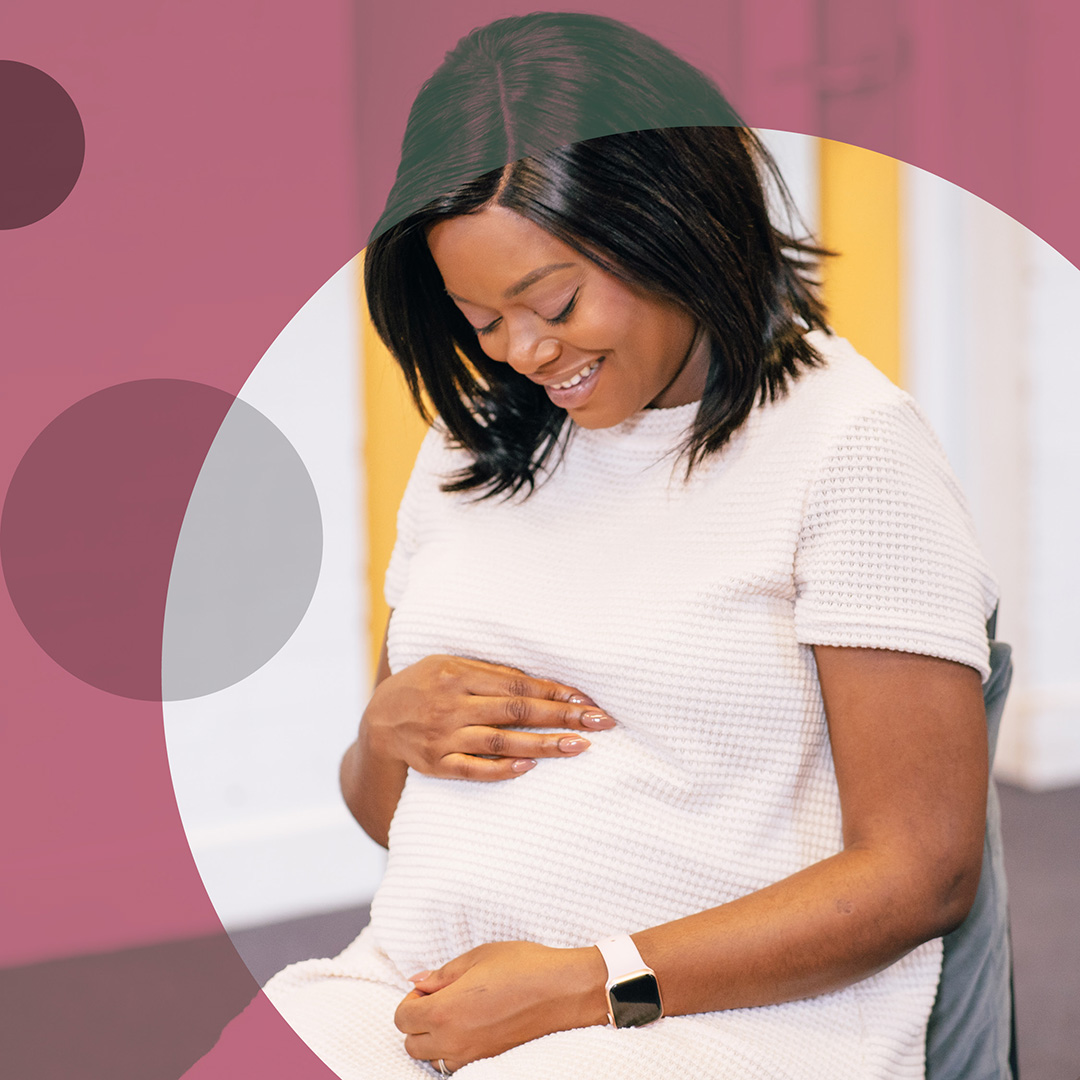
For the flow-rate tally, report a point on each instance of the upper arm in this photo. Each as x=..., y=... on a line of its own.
x=887, y=556
x=909, y=745
x=892, y=593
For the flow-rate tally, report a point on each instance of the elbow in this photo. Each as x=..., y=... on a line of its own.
x=951, y=893
x=928, y=890
x=956, y=905
x=347, y=779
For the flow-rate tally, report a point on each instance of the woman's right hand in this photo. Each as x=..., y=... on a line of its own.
x=450, y=717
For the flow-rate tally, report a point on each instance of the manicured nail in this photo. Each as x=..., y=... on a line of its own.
x=576, y=699
x=597, y=720
x=523, y=765
x=573, y=744
x=420, y=977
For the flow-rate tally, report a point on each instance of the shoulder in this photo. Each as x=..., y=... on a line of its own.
x=887, y=555
x=844, y=386
x=846, y=405
x=437, y=460
x=437, y=449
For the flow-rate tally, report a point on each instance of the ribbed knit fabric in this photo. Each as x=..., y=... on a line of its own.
x=687, y=611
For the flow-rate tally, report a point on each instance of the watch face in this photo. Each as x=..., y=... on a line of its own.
x=635, y=1001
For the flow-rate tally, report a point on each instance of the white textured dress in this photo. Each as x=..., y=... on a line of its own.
x=687, y=611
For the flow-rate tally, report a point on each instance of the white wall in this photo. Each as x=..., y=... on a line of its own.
x=797, y=157
x=255, y=766
x=991, y=354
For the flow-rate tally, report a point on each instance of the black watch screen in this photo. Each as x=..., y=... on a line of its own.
x=635, y=1001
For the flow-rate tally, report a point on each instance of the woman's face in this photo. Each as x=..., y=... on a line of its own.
x=555, y=316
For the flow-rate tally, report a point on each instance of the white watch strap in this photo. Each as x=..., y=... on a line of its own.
x=621, y=956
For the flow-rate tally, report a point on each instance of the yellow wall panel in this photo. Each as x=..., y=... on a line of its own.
x=860, y=212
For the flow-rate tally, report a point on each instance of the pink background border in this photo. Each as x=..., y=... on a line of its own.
x=237, y=153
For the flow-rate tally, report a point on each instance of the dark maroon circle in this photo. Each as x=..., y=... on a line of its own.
x=42, y=144
x=90, y=524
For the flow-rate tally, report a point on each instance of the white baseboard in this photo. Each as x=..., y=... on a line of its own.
x=1039, y=748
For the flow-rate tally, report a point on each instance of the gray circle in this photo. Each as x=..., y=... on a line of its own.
x=247, y=559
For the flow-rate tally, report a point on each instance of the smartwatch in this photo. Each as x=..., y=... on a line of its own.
x=632, y=990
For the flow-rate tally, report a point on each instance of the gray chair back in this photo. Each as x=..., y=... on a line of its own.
x=971, y=1034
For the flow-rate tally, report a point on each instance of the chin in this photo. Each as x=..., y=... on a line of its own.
x=597, y=419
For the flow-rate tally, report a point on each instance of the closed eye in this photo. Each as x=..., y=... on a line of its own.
x=566, y=311
x=555, y=321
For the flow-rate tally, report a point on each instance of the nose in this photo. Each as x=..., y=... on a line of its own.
x=528, y=351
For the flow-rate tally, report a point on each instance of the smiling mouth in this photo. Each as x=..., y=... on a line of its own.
x=584, y=373
x=572, y=393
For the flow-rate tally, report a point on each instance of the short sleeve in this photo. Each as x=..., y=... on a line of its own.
x=887, y=556
x=423, y=486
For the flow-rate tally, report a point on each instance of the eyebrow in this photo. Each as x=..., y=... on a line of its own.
x=534, y=277
x=527, y=281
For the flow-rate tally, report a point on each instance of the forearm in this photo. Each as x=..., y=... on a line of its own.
x=371, y=783
x=832, y=924
x=371, y=777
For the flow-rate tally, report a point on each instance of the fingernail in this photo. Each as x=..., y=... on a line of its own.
x=523, y=765
x=573, y=744
x=576, y=699
x=597, y=720
x=420, y=977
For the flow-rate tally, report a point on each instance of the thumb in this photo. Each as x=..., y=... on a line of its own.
x=427, y=982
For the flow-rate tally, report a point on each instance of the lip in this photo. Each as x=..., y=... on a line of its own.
x=573, y=396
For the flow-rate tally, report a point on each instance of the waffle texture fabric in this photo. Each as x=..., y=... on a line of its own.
x=687, y=610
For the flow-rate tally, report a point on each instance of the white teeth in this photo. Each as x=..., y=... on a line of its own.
x=584, y=373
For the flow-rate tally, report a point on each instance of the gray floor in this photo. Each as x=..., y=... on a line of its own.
x=1042, y=860
x=267, y=949
x=1042, y=856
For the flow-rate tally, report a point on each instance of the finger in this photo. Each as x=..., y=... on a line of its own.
x=414, y=1015
x=409, y=1019
x=467, y=767
x=430, y=981
x=427, y=1047
x=414, y=1012
x=537, y=712
x=497, y=680
x=423, y=1047
x=500, y=743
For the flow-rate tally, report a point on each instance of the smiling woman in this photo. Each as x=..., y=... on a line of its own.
x=682, y=771
x=655, y=184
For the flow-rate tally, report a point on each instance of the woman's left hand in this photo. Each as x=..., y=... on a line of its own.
x=499, y=996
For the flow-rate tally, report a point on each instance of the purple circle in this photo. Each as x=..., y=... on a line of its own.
x=90, y=523
x=42, y=144
x=161, y=540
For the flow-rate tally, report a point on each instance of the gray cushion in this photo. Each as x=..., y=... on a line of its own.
x=970, y=1031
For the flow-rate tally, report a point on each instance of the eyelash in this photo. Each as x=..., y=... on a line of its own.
x=558, y=320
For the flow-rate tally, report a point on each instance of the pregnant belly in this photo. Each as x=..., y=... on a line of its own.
x=568, y=853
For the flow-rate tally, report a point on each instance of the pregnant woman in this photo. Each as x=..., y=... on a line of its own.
x=678, y=742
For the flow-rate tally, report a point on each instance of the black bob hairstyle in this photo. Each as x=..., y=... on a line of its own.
x=631, y=156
